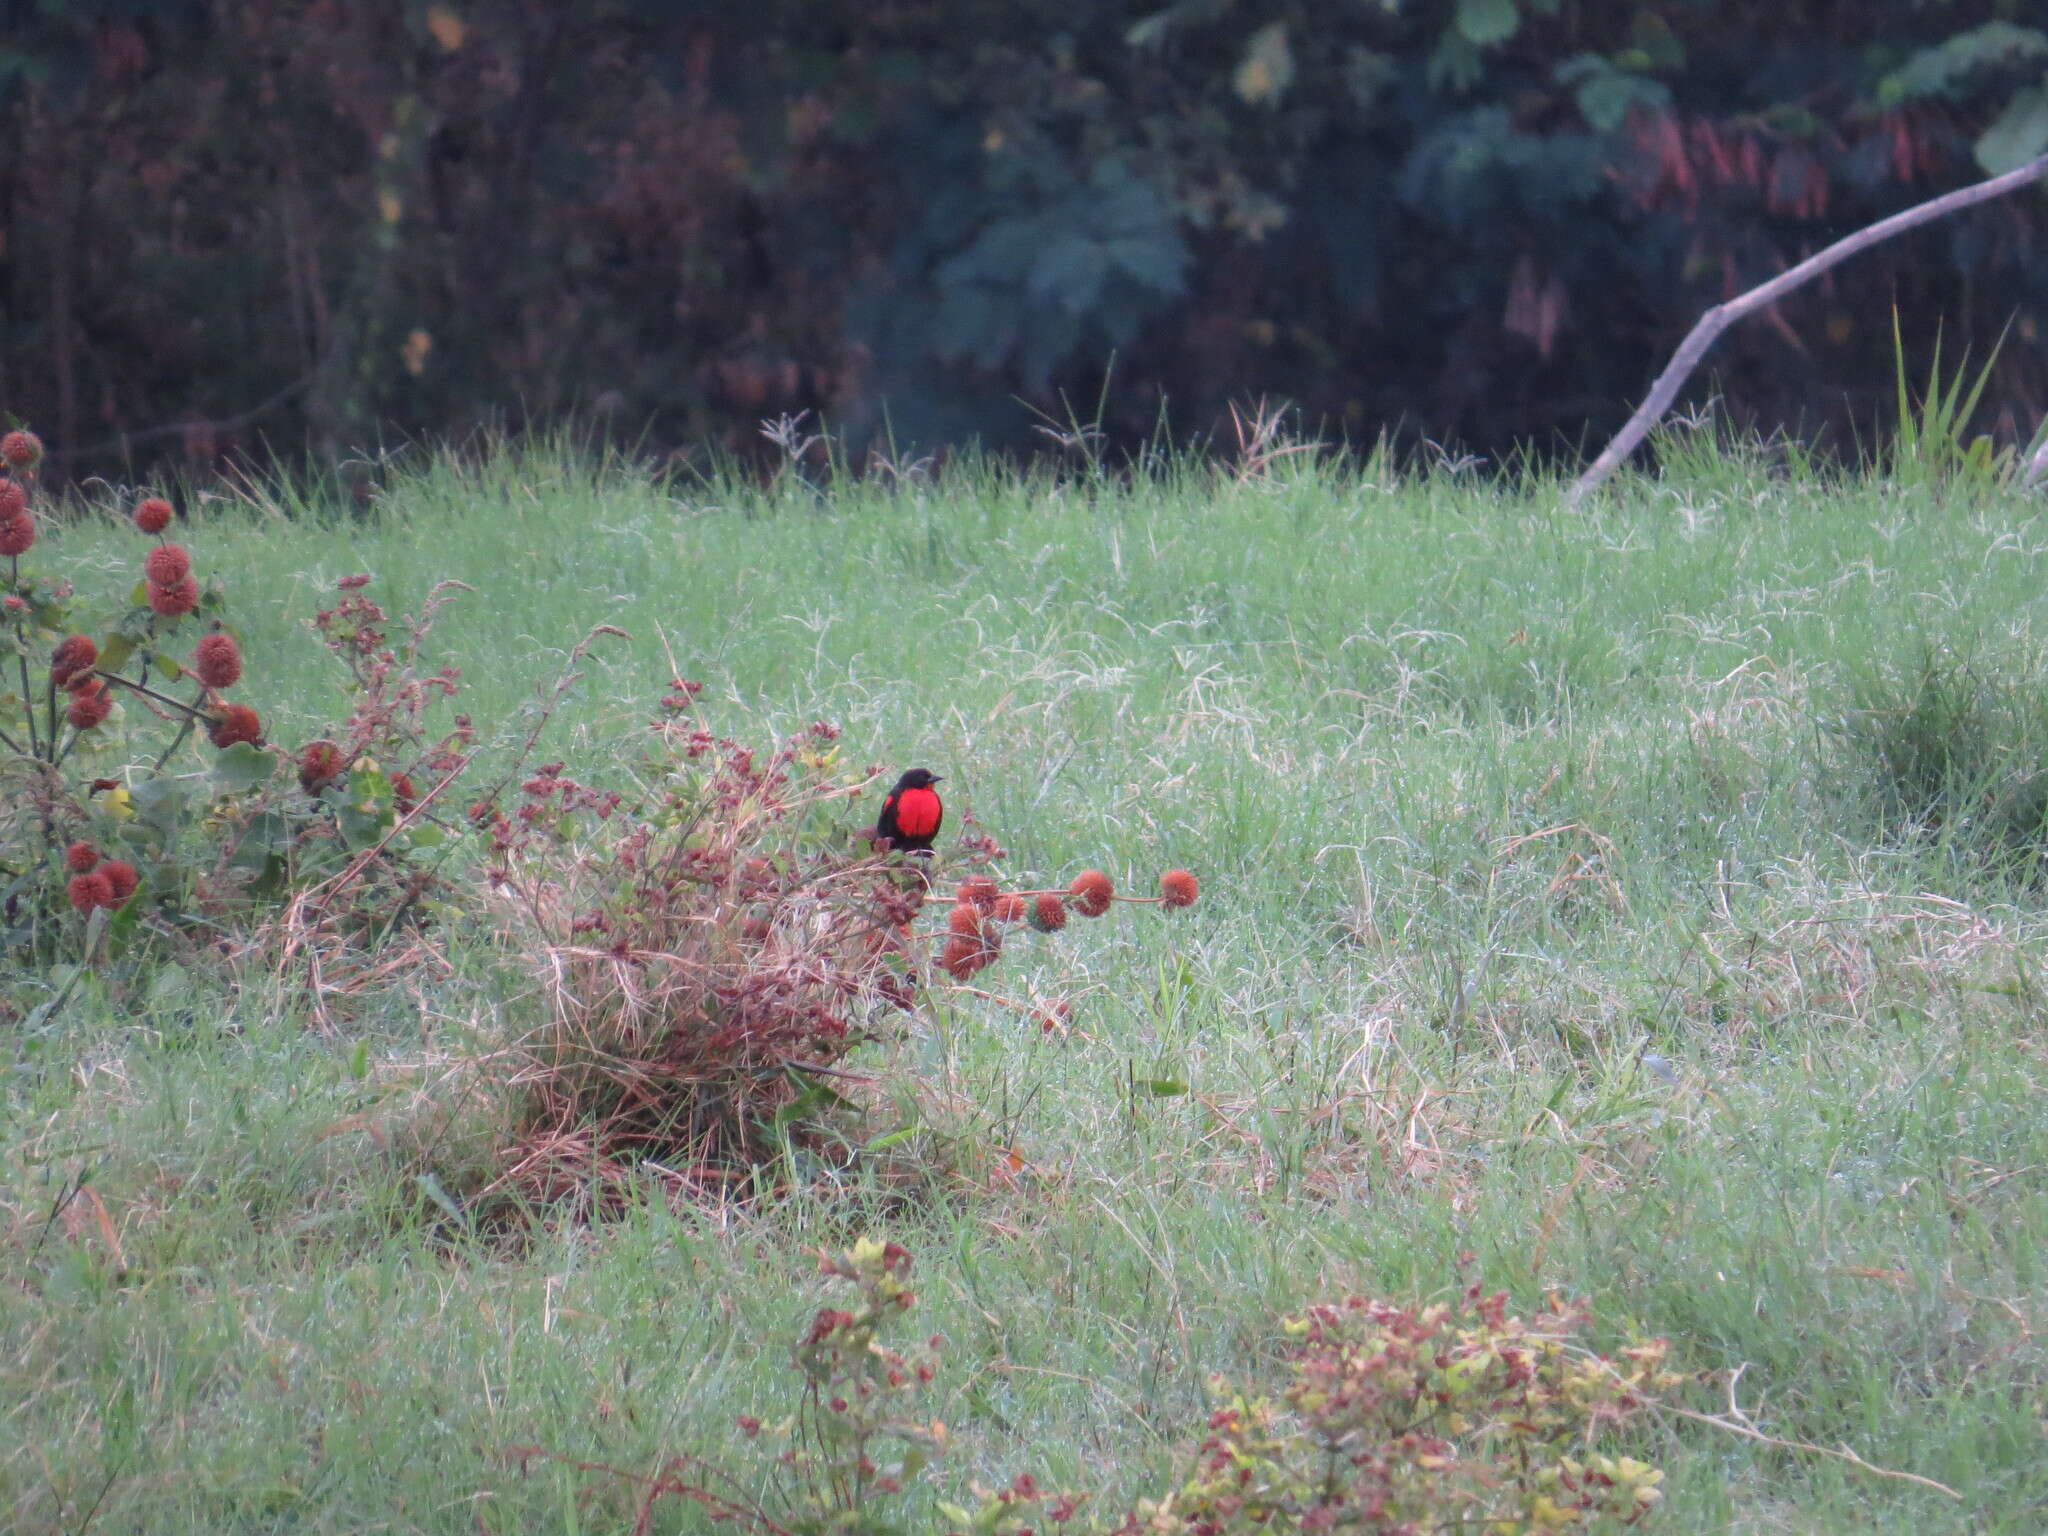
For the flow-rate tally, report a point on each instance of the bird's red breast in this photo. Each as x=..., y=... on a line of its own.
x=917, y=811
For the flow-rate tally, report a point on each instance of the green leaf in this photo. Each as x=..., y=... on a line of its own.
x=2019, y=134
x=171, y=668
x=241, y=767
x=115, y=651
x=1163, y=1087
x=1485, y=23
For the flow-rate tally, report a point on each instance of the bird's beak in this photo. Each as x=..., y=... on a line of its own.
x=938, y=778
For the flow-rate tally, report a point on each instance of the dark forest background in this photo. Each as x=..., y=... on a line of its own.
x=274, y=225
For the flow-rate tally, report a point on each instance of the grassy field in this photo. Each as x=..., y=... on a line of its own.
x=1546, y=915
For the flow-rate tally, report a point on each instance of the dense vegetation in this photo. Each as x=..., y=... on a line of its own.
x=285, y=222
x=1645, y=903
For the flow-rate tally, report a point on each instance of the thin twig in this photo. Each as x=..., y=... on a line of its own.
x=1721, y=316
x=1843, y=1453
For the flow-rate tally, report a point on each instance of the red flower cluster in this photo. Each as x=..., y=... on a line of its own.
x=173, y=590
x=95, y=884
x=21, y=450
x=17, y=523
x=74, y=657
x=91, y=703
x=233, y=723
x=217, y=660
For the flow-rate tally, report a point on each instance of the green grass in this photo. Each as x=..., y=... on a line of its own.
x=1487, y=801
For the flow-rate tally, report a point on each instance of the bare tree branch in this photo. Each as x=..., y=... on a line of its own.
x=1721, y=316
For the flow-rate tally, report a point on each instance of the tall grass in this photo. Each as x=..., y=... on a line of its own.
x=1547, y=914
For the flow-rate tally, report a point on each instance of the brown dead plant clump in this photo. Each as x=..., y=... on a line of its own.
x=709, y=953
x=712, y=949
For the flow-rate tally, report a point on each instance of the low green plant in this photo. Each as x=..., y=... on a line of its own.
x=1391, y=1420
x=1951, y=744
x=1932, y=445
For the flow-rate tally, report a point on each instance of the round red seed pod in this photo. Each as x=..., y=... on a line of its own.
x=1048, y=914
x=1092, y=892
x=964, y=921
x=13, y=499
x=1178, y=888
x=90, y=890
x=153, y=515
x=171, y=602
x=217, y=660
x=80, y=857
x=21, y=450
x=17, y=534
x=978, y=889
x=320, y=764
x=90, y=704
x=122, y=879
x=1008, y=908
x=235, y=722
x=960, y=957
x=167, y=565
x=74, y=657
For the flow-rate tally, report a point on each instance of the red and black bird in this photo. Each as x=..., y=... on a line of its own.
x=911, y=813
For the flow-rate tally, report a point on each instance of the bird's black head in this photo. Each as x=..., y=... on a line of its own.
x=917, y=778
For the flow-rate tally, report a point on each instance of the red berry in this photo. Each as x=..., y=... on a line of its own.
x=167, y=565
x=17, y=534
x=80, y=857
x=21, y=449
x=170, y=602
x=217, y=660
x=235, y=722
x=154, y=515
x=73, y=658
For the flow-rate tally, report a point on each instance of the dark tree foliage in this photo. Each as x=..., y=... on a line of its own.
x=237, y=222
